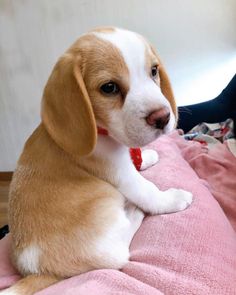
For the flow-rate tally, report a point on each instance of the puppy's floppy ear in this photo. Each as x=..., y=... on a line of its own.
x=67, y=112
x=166, y=88
x=165, y=84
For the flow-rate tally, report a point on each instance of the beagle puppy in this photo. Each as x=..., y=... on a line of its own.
x=76, y=199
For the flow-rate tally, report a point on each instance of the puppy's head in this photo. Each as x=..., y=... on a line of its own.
x=110, y=78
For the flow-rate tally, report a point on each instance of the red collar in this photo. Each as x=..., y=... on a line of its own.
x=102, y=131
x=135, y=153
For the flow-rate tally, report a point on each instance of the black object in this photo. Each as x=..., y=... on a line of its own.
x=3, y=231
x=216, y=110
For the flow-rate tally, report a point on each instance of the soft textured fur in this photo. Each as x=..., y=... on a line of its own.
x=76, y=200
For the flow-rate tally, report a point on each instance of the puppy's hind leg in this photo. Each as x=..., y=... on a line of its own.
x=135, y=216
x=112, y=249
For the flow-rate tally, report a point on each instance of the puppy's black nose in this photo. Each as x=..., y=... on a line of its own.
x=159, y=118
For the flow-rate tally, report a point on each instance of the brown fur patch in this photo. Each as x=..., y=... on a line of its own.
x=65, y=99
x=102, y=62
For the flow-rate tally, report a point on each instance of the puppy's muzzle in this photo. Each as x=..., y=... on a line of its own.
x=159, y=118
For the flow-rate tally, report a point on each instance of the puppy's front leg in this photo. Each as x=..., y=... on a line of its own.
x=121, y=173
x=148, y=197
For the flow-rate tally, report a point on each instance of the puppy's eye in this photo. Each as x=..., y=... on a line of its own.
x=154, y=71
x=110, y=88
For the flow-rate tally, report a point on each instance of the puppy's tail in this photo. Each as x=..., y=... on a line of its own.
x=30, y=285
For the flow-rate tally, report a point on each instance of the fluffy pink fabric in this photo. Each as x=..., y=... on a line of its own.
x=189, y=252
x=218, y=167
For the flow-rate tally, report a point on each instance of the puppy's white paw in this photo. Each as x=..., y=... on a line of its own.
x=149, y=158
x=155, y=201
x=177, y=200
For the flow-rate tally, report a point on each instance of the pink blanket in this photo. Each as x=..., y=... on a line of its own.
x=190, y=252
x=218, y=167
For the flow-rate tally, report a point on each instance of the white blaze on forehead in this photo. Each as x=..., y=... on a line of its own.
x=132, y=48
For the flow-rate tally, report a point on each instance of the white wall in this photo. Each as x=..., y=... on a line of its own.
x=196, y=40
